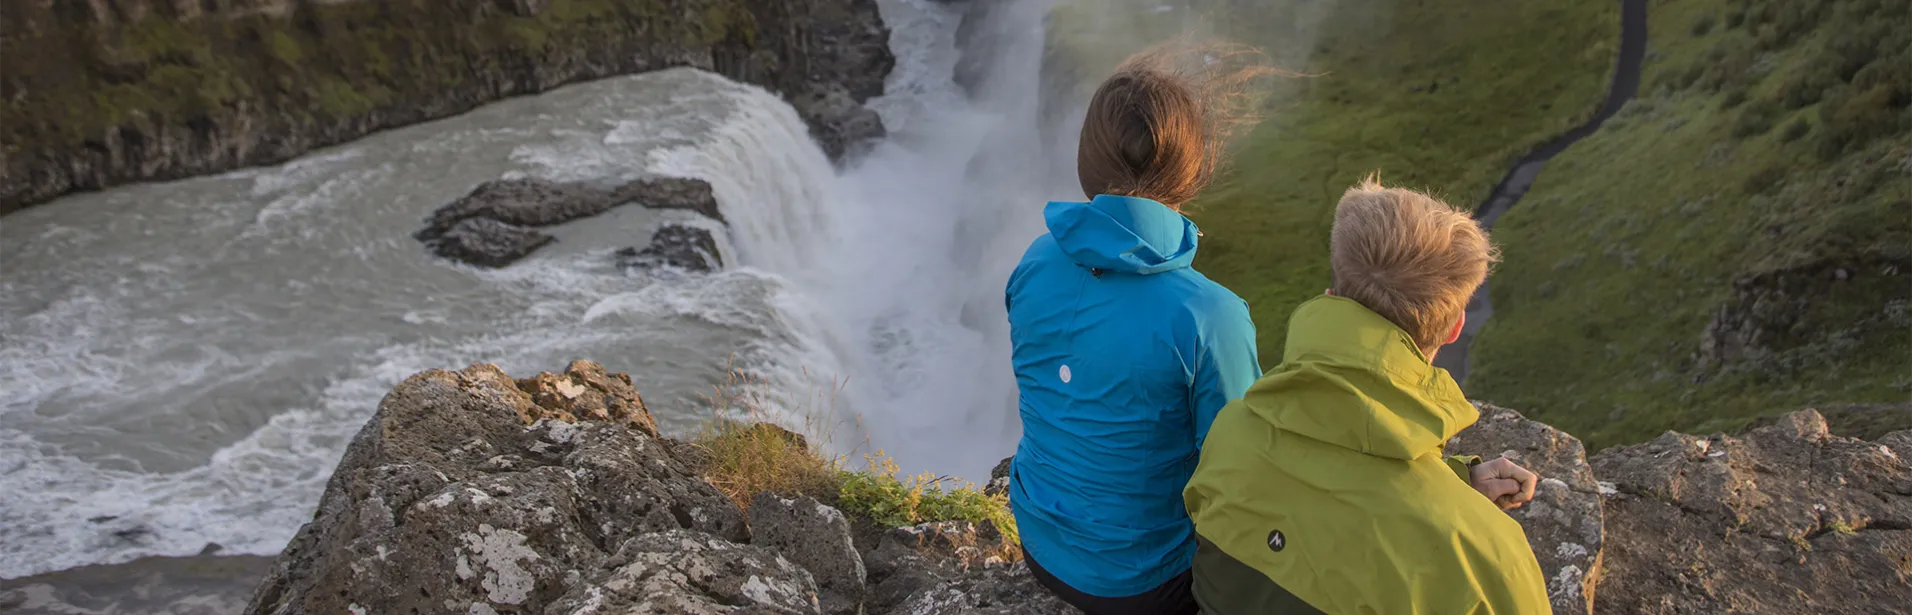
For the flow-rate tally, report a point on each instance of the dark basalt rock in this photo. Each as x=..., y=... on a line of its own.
x=487, y=243
x=264, y=83
x=676, y=246
x=491, y=225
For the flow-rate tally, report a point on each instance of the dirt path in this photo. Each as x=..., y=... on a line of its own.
x=1456, y=357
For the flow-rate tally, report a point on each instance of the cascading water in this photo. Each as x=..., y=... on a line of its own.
x=183, y=363
x=931, y=224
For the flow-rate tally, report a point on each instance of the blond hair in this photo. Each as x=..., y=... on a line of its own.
x=1409, y=257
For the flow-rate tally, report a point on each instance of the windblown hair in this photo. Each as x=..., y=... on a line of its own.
x=1408, y=257
x=1156, y=129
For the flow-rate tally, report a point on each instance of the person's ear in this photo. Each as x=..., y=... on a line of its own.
x=1455, y=333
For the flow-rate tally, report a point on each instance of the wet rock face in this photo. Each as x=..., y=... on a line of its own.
x=494, y=224
x=448, y=501
x=488, y=243
x=1564, y=521
x=674, y=246
x=1787, y=519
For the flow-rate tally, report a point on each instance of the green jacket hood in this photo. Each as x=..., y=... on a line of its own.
x=1338, y=350
x=1325, y=484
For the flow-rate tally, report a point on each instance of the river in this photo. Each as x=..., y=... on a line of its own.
x=184, y=362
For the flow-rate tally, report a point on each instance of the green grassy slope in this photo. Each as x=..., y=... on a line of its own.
x=1733, y=244
x=1436, y=94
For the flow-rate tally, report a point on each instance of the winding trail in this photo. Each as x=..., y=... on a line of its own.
x=1457, y=357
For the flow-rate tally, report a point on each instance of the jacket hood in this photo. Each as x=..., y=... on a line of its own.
x=1122, y=233
x=1353, y=379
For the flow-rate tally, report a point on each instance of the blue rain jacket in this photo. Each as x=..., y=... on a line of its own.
x=1123, y=355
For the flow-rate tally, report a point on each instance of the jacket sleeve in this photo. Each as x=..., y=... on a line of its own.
x=1225, y=365
x=1463, y=466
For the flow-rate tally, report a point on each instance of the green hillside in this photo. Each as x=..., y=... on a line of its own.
x=1441, y=95
x=1734, y=244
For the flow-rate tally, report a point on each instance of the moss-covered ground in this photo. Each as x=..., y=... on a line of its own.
x=70, y=78
x=1440, y=95
x=1771, y=148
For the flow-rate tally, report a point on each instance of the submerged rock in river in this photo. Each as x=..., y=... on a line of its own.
x=677, y=246
x=492, y=226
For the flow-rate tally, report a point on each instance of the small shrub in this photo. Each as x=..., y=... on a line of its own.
x=1735, y=19
x=1733, y=99
x=1849, y=119
x=745, y=459
x=1764, y=179
x=879, y=495
x=1703, y=26
x=286, y=50
x=1798, y=128
x=743, y=453
x=1805, y=89
x=1756, y=119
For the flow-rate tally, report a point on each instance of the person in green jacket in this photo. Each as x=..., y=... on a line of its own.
x=1324, y=489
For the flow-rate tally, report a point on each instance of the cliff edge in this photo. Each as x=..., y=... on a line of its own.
x=470, y=491
x=95, y=94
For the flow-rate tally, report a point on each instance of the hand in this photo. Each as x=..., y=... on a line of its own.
x=1507, y=484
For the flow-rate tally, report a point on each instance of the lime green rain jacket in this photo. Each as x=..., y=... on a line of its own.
x=1324, y=490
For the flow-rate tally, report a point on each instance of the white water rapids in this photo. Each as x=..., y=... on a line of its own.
x=183, y=363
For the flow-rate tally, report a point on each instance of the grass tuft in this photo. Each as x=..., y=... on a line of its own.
x=743, y=453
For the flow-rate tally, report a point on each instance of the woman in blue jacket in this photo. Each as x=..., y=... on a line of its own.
x=1123, y=353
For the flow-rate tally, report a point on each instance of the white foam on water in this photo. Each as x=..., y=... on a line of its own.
x=102, y=341
x=889, y=276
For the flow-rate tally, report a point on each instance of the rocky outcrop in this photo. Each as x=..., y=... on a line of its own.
x=1563, y=522
x=682, y=572
x=676, y=246
x=492, y=226
x=113, y=91
x=473, y=492
x=469, y=491
x=816, y=537
x=1786, y=519
x=953, y=568
x=448, y=500
x=1781, y=321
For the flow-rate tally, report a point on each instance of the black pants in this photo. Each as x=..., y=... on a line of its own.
x=1170, y=598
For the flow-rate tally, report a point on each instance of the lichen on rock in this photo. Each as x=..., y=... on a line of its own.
x=472, y=492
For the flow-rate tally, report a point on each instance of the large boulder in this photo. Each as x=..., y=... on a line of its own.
x=1563, y=522
x=954, y=568
x=1786, y=519
x=448, y=500
x=674, y=246
x=488, y=243
x=816, y=537
x=682, y=572
x=494, y=224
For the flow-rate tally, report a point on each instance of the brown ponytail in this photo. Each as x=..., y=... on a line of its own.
x=1156, y=129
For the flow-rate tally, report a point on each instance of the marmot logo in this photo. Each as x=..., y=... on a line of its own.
x=1276, y=541
x=1064, y=373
